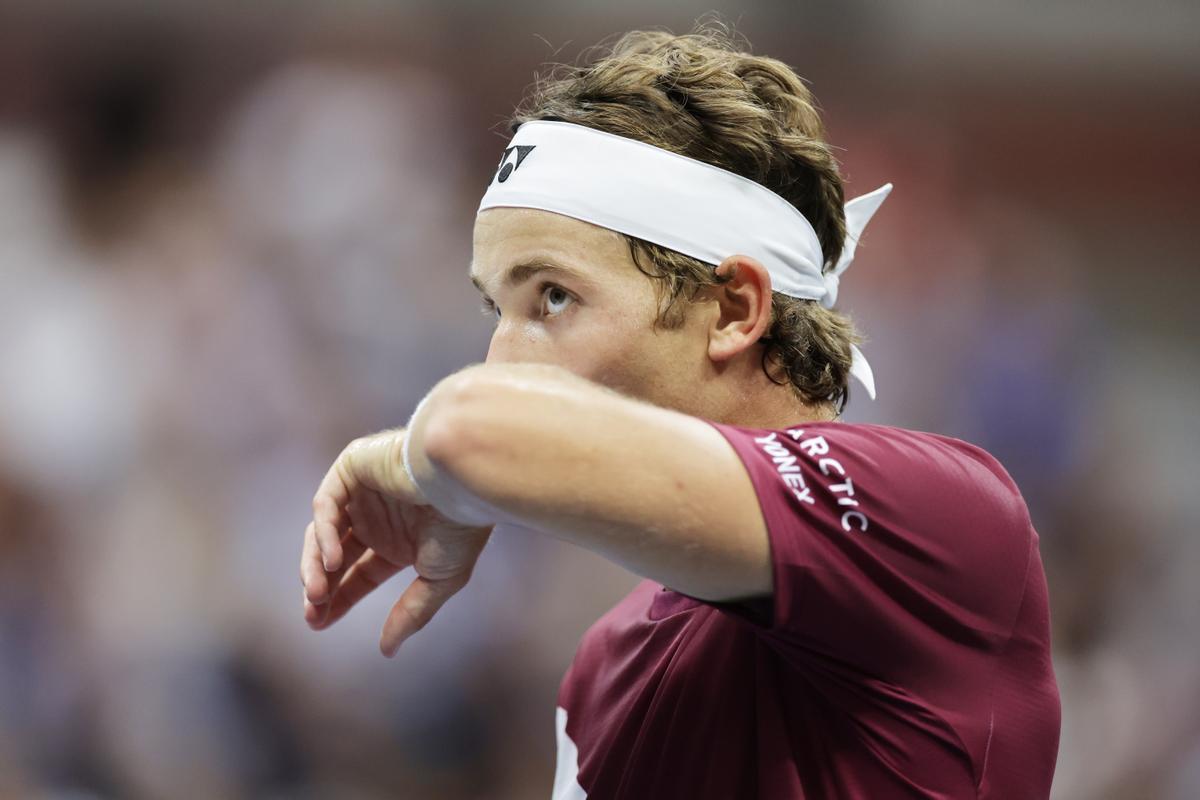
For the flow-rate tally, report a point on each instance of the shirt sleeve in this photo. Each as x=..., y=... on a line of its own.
x=892, y=551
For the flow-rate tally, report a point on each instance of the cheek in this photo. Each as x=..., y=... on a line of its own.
x=585, y=344
x=614, y=346
x=592, y=343
x=622, y=352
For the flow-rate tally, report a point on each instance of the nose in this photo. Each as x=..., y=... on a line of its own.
x=516, y=342
x=501, y=349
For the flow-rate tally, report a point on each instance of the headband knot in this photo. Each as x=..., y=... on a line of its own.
x=832, y=281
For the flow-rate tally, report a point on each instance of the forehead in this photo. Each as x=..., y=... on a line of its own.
x=505, y=238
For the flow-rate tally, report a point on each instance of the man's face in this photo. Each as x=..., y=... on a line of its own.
x=566, y=292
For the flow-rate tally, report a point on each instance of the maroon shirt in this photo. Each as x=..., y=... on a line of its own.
x=904, y=653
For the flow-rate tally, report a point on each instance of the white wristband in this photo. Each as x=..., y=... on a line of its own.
x=404, y=458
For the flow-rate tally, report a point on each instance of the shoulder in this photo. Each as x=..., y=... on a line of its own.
x=876, y=524
x=900, y=452
x=940, y=462
x=901, y=471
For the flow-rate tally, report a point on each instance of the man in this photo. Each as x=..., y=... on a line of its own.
x=829, y=610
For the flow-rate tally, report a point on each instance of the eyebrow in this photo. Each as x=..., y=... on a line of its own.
x=519, y=273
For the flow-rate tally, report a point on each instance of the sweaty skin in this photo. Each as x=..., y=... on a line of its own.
x=582, y=424
x=710, y=366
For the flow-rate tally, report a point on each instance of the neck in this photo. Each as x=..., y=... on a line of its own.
x=753, y=400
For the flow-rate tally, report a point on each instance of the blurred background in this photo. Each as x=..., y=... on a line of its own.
x=235, y=236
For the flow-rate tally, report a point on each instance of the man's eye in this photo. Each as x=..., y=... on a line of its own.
x=555, y=299
x=489, y=309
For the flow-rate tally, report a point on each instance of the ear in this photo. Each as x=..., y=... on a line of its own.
x=744, y=303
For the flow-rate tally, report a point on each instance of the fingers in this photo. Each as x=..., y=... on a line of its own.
x=364, y=503
x=318, y=582
x=412, y=612
x=367, y=521
x=312, y=570
x=329, y=520
x=367, y=463
x=352, y=549
x=362, y=578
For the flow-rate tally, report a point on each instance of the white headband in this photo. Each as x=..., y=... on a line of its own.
x=677, y=202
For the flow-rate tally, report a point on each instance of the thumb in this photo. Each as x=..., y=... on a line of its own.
x=412, y=612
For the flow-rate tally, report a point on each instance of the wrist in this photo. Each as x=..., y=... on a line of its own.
x=406, y=463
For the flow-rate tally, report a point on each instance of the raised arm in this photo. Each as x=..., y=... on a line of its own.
x=654, y=490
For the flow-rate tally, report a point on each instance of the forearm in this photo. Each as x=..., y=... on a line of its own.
x=544, y=450
x=453, y=450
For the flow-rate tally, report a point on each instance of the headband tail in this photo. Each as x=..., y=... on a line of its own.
x=858, y=213
x=860, y=369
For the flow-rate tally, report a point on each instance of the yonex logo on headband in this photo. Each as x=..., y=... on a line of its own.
x=504, y=170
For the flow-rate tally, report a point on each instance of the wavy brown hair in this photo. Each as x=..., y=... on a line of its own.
x=702, y=95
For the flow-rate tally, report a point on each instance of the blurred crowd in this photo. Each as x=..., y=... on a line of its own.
x=232, y=242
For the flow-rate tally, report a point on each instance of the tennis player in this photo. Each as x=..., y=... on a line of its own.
x=829, y=610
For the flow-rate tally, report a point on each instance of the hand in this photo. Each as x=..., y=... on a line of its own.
x=369, y=522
